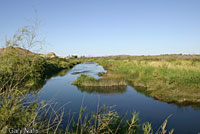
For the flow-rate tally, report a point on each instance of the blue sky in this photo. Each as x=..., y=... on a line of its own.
x=108, y=27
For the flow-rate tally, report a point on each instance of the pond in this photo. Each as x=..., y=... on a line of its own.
x=185, y=120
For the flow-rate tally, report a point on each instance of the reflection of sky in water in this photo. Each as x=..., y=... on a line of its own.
x=89, y=68
x=184, y=120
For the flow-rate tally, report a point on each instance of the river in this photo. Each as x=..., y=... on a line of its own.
x=185, y=120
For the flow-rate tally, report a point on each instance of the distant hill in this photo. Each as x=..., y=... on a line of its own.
x=19, y=50
x=22, y=51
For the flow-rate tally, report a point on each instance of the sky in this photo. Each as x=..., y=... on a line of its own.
x=108, y=27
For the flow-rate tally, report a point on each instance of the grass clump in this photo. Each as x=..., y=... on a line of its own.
x=88, y=81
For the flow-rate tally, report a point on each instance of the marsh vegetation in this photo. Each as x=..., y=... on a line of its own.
x=170, y=78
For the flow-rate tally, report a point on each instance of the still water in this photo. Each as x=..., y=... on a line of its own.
x=185, y=120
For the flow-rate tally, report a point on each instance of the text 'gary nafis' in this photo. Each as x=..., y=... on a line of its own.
x=23, y=131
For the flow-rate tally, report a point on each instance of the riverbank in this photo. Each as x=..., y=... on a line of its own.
x=24, y=69
x=169, y=78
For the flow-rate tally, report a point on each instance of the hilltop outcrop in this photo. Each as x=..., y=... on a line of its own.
x=51, y=54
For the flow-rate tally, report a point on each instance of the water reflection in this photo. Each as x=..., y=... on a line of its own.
x=37, y=86
x=81, y=72
x=103, y=90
